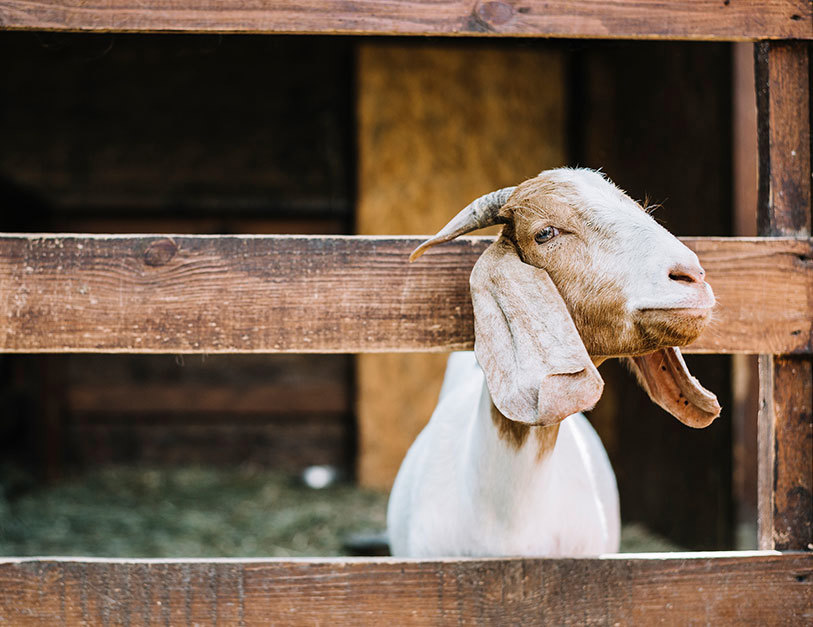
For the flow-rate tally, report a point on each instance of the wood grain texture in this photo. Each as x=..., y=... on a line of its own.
x=323, y=294
x=684, y=589
x=785, y=450
x=770, y=295
x=690, y=19
x=744, y=368
x=785, y=426
x=438, y=124
x=783, y=126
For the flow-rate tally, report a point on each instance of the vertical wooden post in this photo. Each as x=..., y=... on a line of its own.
x=744, y=368
x=786, y=393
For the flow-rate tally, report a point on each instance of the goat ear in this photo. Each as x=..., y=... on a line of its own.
x=668, y=382
x=537, y=368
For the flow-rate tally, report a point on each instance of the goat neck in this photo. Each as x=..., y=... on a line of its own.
x=499, y=447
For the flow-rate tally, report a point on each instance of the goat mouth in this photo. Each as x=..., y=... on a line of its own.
x=688, y=312
x=695, y=303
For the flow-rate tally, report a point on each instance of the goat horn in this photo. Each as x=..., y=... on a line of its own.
x=478, y=214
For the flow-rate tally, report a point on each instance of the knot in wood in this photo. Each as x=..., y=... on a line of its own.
x=495, y=12
x=160, y=252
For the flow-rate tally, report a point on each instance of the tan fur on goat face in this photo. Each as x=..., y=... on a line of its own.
x=610, y=262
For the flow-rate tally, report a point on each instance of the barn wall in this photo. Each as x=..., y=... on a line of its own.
x=438, y=125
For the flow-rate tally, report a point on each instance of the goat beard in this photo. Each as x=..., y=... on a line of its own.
x=668, y=382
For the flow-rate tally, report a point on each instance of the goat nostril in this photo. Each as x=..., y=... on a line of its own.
x=676, y=276
x=687, y=274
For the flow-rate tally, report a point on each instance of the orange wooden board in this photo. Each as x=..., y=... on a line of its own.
x=674, y=589
x=655, y=19
x=329, y=294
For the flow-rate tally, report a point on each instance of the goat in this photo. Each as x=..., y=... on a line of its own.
x=579, y=274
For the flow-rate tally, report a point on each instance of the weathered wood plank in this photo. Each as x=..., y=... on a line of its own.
x=783, y=125
x=744, y=368
x=690, y=19
x=681, y=589
x=785, y=449
x=242, y=294
x=763, y=298
x=786, y=382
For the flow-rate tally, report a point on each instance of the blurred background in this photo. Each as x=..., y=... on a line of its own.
x=171, y=455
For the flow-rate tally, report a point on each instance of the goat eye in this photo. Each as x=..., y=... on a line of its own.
x=549, y=232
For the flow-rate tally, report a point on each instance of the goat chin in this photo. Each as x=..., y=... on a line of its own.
x=674, y=327
x=468, y=489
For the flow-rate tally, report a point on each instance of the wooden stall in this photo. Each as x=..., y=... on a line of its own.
x=113, y=133
x=166, y=292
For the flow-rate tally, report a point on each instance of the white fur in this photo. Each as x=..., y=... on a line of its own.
x=464, y=491
x=637, y=241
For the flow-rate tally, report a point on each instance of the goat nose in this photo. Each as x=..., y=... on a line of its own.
x=688, y=273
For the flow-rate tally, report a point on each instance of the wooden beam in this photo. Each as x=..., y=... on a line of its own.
x=327, y=294
x=669, y=588
x=628, y=19
x=783, y=128
x=744, y=368
x=786, y=382
x=785, y=452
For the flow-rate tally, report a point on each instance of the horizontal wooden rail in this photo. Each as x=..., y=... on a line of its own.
x=628, y=19
x=681, y=589
x=240, y=294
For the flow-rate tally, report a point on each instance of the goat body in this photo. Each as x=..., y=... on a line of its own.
x=579, y=274
x=465, y=488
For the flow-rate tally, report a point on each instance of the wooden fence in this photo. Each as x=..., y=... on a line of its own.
x=177, y=293
x=330, y=294
x=759, y=588
x=627, y=19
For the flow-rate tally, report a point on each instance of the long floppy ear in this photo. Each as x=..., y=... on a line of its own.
x=667, y=380
x=537, y=368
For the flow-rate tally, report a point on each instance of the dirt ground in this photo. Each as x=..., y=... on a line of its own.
x=199, y=512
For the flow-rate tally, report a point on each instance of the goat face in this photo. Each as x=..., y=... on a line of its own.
x=630, y=285
x=581, y=273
